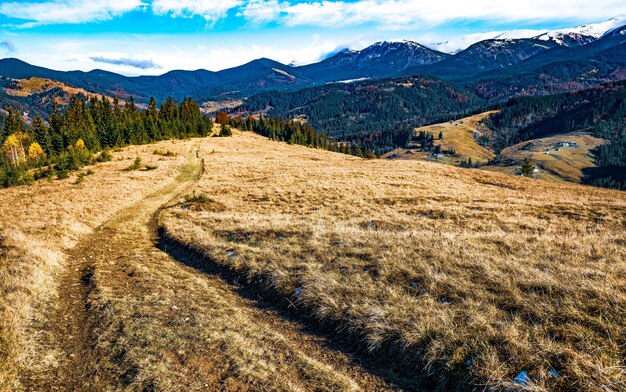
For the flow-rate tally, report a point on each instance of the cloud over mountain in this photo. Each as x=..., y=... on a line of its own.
x=9, y=46
x=135, y=63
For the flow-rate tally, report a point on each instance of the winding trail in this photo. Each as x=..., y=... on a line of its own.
x=132, y=317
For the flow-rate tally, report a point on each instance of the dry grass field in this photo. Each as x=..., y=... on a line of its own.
x=38, y=225
x=34, y=85
x=565, y=162
x=458, y=135
x=90, y=302
x=463, y=274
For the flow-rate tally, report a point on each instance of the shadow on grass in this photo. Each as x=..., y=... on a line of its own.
x=396, y=366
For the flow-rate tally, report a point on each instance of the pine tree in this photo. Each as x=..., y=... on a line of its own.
x=13, y=124
x=527, y=168
x=42, y=135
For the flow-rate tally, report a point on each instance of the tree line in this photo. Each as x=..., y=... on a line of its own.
x=293, y=132
x=69, y=138
x=381, y=115
x=599, y=111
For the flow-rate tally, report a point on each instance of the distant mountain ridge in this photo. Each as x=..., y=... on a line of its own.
x=378, y=60
x=591, y=46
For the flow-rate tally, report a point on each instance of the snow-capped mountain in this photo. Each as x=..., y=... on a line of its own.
x=487, y=55
x=378, y=60
x=566, y=37
x=582, y=35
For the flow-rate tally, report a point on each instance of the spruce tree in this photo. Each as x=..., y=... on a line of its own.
x=527, y=168
x=42, y=135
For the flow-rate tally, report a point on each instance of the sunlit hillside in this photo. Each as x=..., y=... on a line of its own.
x=471, y=276
x=240, y=263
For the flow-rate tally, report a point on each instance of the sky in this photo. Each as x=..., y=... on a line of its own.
x=149, y=37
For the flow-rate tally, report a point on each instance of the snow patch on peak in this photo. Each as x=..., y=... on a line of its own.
x=594, y=31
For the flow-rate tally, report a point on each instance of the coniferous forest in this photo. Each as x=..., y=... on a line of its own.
x=294, y=132
x=599, y=111
x=378, y=115
x=69, y=139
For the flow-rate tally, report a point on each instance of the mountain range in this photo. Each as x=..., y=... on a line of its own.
x=590, y=47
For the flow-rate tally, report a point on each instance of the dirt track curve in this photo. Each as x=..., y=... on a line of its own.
x=132, y=317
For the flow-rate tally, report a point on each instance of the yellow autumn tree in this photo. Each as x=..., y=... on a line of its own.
x=35, y=153
x=80, y=144
x=13, y=150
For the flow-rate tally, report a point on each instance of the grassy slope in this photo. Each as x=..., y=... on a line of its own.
x=566, y=163
x=474, y=272
x=34, y=85
x=38, y=224
x=456, y=134
x=90, y=303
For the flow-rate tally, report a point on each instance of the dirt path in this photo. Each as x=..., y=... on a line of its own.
x=131, y=317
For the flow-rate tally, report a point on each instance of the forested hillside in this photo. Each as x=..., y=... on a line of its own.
x=69, y=138
x=599, y=111
x=377, y=114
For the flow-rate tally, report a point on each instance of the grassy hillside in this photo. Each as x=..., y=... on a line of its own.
x=469, y=275
x=458, y=135
x=34, y=85
x=569, y=162
x=39, y=224
x=36, y=96
x=88, y=302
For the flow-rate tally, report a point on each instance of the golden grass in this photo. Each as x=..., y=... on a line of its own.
x=38, y=224
x=35, y=85
x=145, y=321
x=458, y=135
x=472, y=272
x=567, y=163
x=211, y=107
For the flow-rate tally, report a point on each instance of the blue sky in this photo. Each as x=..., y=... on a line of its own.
x=154, y=36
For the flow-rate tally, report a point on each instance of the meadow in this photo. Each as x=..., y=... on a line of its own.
x=477, y=279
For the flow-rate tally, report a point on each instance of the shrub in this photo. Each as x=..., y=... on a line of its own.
x=226, y=131
x=136, y=164
x=151, y=167
x=80, y=178
x=104, y=156
x=167, y=153
x=197, y=198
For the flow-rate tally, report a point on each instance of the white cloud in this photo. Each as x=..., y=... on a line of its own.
x=210, y=10
x=461, y=42
x=262, y=11
x=398, y=14
x=67, y=11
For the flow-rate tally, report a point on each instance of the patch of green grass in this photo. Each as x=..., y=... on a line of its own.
x=80, y=178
